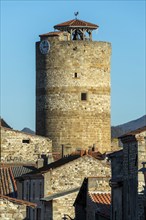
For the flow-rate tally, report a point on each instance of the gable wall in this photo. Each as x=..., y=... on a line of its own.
x=14, y=150
x=71, y=175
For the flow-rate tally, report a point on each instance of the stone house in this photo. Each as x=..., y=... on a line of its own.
x=19, y=147
x=116, y=184
x=140, y=136
x=93, y=200
x=142, y=195
x=126, y=182
x=13, y=209
x=8, y=173
x=55, y=186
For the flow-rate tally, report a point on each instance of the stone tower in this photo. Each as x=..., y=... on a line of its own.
x=73, y=88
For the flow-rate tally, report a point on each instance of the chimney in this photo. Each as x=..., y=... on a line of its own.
x=40, y=162
x=94, y=147
x=50, y=158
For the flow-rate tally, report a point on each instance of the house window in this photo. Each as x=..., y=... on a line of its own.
x=27, y=191
x=33, y=191
x=83, y=96
x=76, y=75
x=40, y=189
x=26, y=141
x=136, y=160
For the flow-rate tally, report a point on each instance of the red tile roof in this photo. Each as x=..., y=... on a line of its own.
x=19, y=201
x=103, y=202
x=7, y=182
x=76, y=23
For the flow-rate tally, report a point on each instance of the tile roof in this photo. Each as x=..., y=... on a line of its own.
x=23, y=169
x=116, y=153
x=55, y=164
x=49, y=34
x=134, y=132
x=8, y=173
x=7, y=182
x=76, y=23
x=4, y=124
x=103, y=202
x=60, y=194
x=18, y=201
x=67, y=159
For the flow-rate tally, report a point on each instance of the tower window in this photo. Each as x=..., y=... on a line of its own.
x=76, y=75
x=83, y=96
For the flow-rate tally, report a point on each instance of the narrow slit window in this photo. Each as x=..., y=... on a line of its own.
x=83, y=96
x=76, y=75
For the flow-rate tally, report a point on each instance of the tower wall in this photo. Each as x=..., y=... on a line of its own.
x=61, y=115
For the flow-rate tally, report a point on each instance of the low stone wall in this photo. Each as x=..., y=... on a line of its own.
x=11, y=211
x=19, y=147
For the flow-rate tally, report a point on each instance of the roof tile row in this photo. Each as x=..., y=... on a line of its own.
x=103, y=202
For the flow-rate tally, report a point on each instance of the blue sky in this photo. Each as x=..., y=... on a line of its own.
x=120, y=22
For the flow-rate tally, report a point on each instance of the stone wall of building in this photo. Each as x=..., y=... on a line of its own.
x=65, y=180
x=64, y=205
x=100, y=184
x=11, y=211
x=115, y=144
x=141, y=138
x=72, y=174
x=19, y=147
x=68, y=70
x=130, y=177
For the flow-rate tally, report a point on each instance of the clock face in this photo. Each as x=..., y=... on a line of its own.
x=44, y=46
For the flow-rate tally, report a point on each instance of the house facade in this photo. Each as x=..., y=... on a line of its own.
x=54, y=187
x=127, y=181
x=19, y=147
x=14, y=209
x=93, y=201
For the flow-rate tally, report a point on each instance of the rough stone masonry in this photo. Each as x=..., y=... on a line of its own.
x=73, y=93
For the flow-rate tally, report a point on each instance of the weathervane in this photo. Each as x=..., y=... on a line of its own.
x=76, y=14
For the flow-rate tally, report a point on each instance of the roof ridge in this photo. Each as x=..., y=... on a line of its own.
x=19, y=201
x=76, y=22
